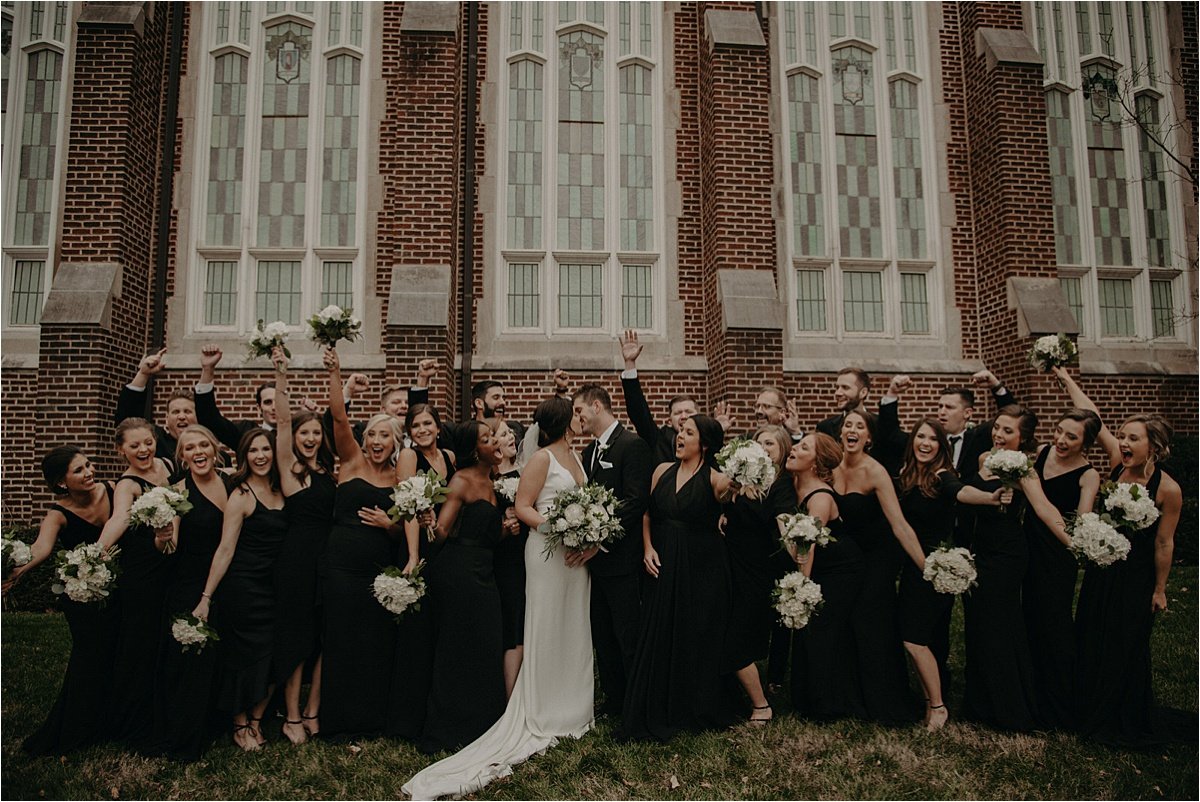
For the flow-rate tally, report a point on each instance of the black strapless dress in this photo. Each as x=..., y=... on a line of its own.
x=77, y=718
x=510, y=579
x=467, y=693
x=186, y=681
x=425, y=548
x=141, y=590
x=297, y=598
x=246, y=600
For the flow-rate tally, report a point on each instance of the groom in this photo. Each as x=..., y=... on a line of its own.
x=619, y=460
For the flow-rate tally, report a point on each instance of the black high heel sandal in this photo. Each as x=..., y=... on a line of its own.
x=295, y=723
x=256, y=730
x=761, y=722
x=311, y=733
x=238, y=728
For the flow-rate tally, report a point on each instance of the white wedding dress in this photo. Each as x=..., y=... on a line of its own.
x=553, y=696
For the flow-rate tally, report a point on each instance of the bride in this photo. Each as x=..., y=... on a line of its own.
x=553, y=694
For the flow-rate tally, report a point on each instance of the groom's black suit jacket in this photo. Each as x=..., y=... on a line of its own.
x=629, y=478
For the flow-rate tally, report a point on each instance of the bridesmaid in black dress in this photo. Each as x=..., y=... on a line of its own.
x=185, y=687
x=423, y=426
x=141, y=587
x=675, y=683
x=752, y=544
x=306, y=479
x=1070, y=483
x=466, y=696
x=871, y=512
x=929, y=489
x=77, y=718
x=243, y=568
x=825, y=671
x=1000, y=687
x=510, y=560
x=358, y=640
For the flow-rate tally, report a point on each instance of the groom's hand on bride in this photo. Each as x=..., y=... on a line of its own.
x=573, y=559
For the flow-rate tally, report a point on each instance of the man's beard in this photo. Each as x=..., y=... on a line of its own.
x=493, y=412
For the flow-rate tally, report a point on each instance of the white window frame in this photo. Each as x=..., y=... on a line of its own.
x=833, y=263
x=22, y=48
x=549, y=258
x=1090, y=271
x=247, y=257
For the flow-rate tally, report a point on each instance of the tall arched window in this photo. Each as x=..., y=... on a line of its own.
x=581, y=187
x=856, y=116
x=280, y=228
x=36, y=38
x=1118, y=219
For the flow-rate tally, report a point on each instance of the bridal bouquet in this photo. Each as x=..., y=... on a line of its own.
x=802, y=530
x=265, y=338
x=417, y=493
x=332, y=324
x=506, y=488
x=950, y=570
x=399, y=592
x=1052, y=351
x=158, y=506
x=747, y=463
x=16, y=554
x=1128, y=505
x=192, y=632
x=1094, y=539
x=580, y=518
x=86, y=573
x=1010, y=467
x=797, y=599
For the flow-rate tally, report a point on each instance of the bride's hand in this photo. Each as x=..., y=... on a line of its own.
x=574, y=559
x=652, y=562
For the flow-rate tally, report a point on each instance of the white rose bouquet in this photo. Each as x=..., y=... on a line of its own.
x=416, y=494
x=191, y=632
x=16, y=554
x=86, y=573
x=265, y=338
x=747, y=463
x=333, y=324
x=951, y=570
x=1052, y=351
x=399, y=592
x=797, y=599
x=1010, y=467
x=580, y=518
x=1128, y=506
x=802, y=530
x=506, y=488
x=158, y=506
x=1094, y=539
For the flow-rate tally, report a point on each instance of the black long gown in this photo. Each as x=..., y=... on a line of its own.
x=752, y=546
x=510, y=579
x=467, y=693
x=883, y=668
x=297, y=600
x=141, y=590
x=186, y=681
x=77, y=718
x=675, y=682
x=923, y=611
x=1049, y=595
x=1000, y=688
x=246, y=600
x=425, y=548
x=359, y=636
x=825, y=667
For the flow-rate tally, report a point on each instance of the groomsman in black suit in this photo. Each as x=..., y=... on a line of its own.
x=619, y=460
x=229, y=432
x=181, y=408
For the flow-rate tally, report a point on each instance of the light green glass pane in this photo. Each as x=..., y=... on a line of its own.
x=1155, y=186
x=1162, y=308
x=337, y=284
x=1083, y=21
x=862, y=301
x=581, y=169
x=220, y=294
x=1072, y=290
x=1116, y=307
x=806, y=166
x=1068, y=245
x=524, y=295
x=837, y=19
x=908, y=177
x=857, y=154
x=810, y=300
x=637, y=160
x=340, y=157
x=36, y=161
x=277, y=292
x=1104, y=26
x=525, y=155
x=580, y=296
x=914, y=304
x=226, y=153
x=285, y=116
x=637, y=300
x=26, y=295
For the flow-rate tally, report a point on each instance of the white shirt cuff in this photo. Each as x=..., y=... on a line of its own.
x=629, y=374
x=204, y=388
x=888, y=399
x=135, y=388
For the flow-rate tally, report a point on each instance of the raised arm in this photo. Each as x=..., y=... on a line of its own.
x=1079, y=399
x=285, y=457
x=207, y=413
x=348, y=449
x=239, y=506
x=131, y=402
x=1170, y=498
x=903, y=532
x=635, y=400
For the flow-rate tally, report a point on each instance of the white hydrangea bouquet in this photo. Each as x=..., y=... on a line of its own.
x=416, y=494
x=265, y=338
x=192, y=632
x=1094, y=539
x=86, y=573
x=506, y=488
x=16, y=554
x=803, y=531
x=747, y=463
x=1128, y=506
x=951, y=570
x=580, y=518
x=1052, y=351
x=399, y=592
x=1010, y=467
x=333, y=324
x=157, y=507
x=797, y=599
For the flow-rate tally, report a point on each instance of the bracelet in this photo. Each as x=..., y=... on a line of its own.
x=205, y=596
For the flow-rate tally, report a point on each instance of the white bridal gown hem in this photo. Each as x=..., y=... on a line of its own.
x=553, y=695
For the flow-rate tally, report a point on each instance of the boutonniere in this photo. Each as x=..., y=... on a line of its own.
x=601, y=450
x=971, y=424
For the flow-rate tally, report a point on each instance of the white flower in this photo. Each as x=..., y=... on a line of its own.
x=399, y=592
x=16, y=554
x=420, y=492
x=1129, y=505
x=573, y=514
x=748, y=464
x=85, y=573
x=507, y=487
x=331, y=312
x=797, y=598
x=1094, y=539
x=580, y=518
x=950, y=570
x=1052, y=350
x=1008, y=466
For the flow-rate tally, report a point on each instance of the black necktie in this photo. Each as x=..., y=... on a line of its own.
x=954, y=440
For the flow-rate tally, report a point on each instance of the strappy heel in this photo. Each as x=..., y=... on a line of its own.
x=256, y=730
x=933, y=723
x=761, y=722
x=252, y=745
x=299, y=739
x=312, y=732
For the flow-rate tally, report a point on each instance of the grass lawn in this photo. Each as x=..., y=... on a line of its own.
x=790, y=759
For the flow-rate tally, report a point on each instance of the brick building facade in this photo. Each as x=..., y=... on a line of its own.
x=767, y=191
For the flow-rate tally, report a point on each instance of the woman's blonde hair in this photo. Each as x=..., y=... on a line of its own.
x=781, y=435
x=201, y=431
x=393, y=424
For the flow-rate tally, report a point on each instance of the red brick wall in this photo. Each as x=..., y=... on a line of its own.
x=21, y=449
